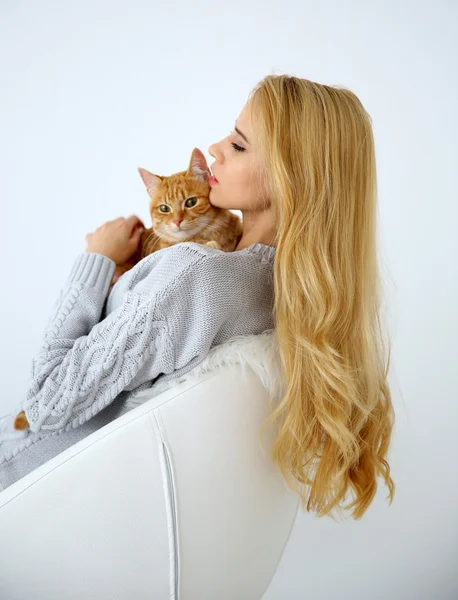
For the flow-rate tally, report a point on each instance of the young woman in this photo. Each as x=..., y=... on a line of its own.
x=300, y=165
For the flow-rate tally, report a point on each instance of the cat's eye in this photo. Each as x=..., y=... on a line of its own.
x=191, y=202
x=167, y=208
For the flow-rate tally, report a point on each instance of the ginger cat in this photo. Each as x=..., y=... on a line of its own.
x=181, y=198
x=181, y=212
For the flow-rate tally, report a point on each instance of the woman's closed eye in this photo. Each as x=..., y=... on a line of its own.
x=237, y=147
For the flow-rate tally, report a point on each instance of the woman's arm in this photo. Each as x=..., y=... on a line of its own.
x=84, y=364
x=179, y=301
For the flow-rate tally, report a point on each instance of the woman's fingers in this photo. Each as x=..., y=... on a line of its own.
x=138, y=233
x=112, y=235
x=134, y=221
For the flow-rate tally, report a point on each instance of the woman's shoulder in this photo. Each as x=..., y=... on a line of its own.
x=184, y=254
x=195, y=256
x=180, y=263
x=179, y=257
x=190, y=270
x=191, y=250
x=174, y=265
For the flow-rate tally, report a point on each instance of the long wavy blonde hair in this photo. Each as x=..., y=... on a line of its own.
x=335, y=416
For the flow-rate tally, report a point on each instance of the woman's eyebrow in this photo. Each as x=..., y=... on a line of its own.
x=240, y=133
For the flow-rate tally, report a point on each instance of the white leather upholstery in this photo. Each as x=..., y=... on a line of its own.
x=176, y=499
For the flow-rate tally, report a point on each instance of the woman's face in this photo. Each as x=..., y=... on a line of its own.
x=237, y=167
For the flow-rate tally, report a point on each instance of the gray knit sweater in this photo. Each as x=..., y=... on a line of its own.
x=160, y=320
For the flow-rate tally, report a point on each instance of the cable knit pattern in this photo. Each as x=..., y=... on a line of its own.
x=159, y=321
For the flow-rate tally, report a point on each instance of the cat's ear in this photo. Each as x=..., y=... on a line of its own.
x=151, y=181
x=198, y=167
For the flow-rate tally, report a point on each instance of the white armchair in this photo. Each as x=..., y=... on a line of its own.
x=176, y=499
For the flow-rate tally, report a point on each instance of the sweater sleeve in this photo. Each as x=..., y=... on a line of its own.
x=84, y=363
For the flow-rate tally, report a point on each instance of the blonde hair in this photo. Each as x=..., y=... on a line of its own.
x=335, y=417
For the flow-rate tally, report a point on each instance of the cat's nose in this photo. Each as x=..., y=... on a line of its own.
x=177, y=222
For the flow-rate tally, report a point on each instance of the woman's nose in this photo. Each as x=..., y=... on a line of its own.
x=213, y=151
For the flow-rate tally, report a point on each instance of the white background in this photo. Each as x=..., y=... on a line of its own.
x=91, y=90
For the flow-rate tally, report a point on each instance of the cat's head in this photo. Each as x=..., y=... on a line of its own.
x=180, y=206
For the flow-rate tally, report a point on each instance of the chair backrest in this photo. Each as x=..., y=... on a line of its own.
x=232, y=509
x=176, y=499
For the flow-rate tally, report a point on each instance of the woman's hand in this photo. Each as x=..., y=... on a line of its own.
x=118, y=239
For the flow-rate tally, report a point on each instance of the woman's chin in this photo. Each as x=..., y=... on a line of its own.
x=212, y=199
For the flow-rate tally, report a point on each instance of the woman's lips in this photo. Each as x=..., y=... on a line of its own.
x=212, y=180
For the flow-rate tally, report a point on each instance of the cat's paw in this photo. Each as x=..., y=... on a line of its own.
x=7, y=430
x=21, y=423
x=213, y=244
